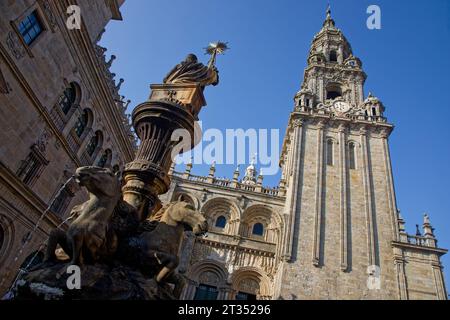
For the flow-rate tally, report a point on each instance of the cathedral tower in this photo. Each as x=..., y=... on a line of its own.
x=343, y=237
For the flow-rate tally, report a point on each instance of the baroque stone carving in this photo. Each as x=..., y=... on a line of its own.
x=49, y=13
x=14, y=44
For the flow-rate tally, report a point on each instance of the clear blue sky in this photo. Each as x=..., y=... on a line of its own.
x=407, y=63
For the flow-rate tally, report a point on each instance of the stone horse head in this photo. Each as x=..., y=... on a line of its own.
x=183, y=213
x=159, y=247
x=101, y=182
x=90, y=236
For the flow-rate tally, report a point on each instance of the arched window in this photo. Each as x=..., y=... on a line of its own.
x=81, y=124
x=329, y=152
x=374, y=111
x=333, y=91
x=67, y=99
x=333, y=94
x=258, y=229
x=206, y=292
x=93, y=143
x=105, y=158
x=245, y=296
x=351, y=155
x=221, y=222
x=333, y=56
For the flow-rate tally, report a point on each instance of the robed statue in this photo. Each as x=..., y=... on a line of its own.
x=192, y=71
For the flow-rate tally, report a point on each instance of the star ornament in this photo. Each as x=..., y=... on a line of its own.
x=216, y=48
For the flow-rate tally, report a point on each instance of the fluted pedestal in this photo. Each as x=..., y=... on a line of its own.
x=170, y=107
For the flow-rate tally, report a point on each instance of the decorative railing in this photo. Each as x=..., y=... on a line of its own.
x=222, y=182
x=419, y=241
x=271, y=191
x=246, y=187
x=227, y=183
x=197, y=178
x=177, y=174
x=73, y=141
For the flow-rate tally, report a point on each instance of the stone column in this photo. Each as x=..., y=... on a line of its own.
x=390, y=184
x=438, y=278
x=399, y=262
x=292, y=192
x=366, y=173
x=170, y=107
x=318, y=197
x=343, y=196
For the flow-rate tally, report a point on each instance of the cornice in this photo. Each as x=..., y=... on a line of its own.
x=83, y=50
x=403, y=245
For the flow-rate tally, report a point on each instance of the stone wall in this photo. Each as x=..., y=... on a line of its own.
x=35, y=77
x=230, y=259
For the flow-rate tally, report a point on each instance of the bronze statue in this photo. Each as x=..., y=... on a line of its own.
x=192, y=71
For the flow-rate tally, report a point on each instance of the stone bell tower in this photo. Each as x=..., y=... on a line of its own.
x=341, y=217
x=332, y=71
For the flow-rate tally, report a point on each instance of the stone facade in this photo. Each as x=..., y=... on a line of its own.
x=60, y=109
x=332, y=228
x=236, y=257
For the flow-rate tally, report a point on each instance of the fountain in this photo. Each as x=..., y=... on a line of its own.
x=123, y=241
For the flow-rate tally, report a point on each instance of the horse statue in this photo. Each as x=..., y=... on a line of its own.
x=90, y=236
x=155, y=249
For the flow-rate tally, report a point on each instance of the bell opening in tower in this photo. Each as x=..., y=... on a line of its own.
x=333, y=56
x=333, y=91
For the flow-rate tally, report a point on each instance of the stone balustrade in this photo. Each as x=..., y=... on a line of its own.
x=232, y=184
x=420, y=241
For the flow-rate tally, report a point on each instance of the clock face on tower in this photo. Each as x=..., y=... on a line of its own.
x=341, y=106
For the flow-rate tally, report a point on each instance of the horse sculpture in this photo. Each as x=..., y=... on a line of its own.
x=90, y=236
x=103, y=230
x=156, y=248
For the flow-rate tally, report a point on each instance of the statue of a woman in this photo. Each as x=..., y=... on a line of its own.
x=190, y=71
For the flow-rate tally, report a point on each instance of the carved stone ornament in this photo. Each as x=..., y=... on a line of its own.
x=43, y=139
x=297, y=123
x=340, y=107
x=14, y=44
x=49, y=13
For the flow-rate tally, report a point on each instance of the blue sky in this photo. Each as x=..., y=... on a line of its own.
x=407, y=63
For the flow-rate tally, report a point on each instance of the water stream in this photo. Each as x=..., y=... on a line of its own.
x=22, y=271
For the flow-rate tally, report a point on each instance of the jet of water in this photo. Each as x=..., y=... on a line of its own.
x=22, y=271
